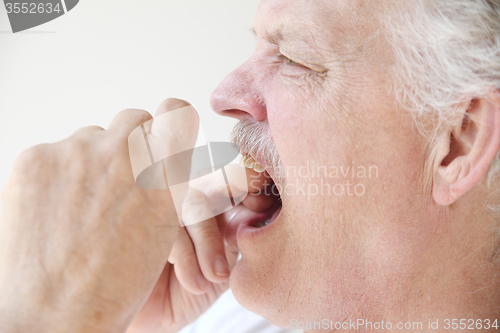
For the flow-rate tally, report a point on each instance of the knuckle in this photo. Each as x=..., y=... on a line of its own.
x=31, y=158
x=31, y=169
x=112, y=145
x=174, y=103
x=31, y=154
x=137, y=113
x=79, y=159
x=75, y=145
x=88, y=130
x=95, y=128
x=187, y=259
x=84, y=150
x=73, y=158
x=75, y=150
x=207, y=234
x=196, y=203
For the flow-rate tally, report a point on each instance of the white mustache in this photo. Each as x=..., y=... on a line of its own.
x=254, y=138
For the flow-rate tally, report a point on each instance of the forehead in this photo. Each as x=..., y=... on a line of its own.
x=342, y=21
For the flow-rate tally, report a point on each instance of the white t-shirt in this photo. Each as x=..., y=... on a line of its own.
x=227, y=316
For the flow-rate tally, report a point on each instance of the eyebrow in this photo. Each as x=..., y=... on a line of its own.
x=274, y=37
x=278, y=37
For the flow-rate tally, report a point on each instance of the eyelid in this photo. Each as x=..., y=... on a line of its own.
x=317, y=68
x=291, y=62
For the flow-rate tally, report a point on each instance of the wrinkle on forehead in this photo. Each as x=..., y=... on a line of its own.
x=342, y=26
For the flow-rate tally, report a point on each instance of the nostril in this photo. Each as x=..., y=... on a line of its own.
x=240, y=95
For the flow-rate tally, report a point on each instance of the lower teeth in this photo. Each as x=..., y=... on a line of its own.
x=263, y=224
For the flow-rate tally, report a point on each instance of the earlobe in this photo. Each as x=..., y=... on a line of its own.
x=467, y=150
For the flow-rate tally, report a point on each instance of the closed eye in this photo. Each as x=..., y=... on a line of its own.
x=290, y=62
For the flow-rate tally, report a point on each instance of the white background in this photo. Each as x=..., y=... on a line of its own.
x=104, y=56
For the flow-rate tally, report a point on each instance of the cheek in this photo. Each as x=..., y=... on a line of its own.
x=310, y=131
x=335, y=241
x=293, y=114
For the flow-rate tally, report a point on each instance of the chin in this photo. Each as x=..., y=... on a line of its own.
x=262, y=280
x=277, y=280
x=257, y=294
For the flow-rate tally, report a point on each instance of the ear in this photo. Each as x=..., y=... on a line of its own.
x=466, y=150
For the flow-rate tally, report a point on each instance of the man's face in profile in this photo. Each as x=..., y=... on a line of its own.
x=318, y=85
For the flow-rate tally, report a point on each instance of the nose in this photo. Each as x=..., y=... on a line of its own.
x=240, y=94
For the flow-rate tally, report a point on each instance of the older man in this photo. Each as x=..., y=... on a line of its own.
x=335, y=89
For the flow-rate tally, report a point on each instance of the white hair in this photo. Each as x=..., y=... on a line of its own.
x=446, y=51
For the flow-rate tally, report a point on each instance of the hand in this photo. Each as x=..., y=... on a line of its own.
x=192, y=280
x=83, y=248
x=81, y=245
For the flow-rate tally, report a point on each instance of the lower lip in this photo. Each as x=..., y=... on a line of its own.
x=247, y=229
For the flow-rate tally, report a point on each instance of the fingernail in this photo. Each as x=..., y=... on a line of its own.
x=202, y=282
x=221, y=267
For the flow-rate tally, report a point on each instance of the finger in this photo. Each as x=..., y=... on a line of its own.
x=128, y=120
x=245, y=182
x=173, y=132
x=170, y=138
x=206, y=237
x=254, y=189
x=255, y=181
x=187, y=270
x=261, y=201
x=263, y=193
x=209, y=247
x=228, y=224
x=88, y=130
x=170, y=104
x=260, y=192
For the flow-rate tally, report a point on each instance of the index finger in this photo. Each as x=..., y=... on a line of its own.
x=160, y=149
x=174, y=128
x=128, y=120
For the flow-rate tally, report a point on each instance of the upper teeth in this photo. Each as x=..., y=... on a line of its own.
x=250, y=163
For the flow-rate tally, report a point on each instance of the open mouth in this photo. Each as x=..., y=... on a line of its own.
x=269, y=215
x=275, y=210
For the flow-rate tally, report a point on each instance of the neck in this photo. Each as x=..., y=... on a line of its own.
x=450, y=278
x=440, y=307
